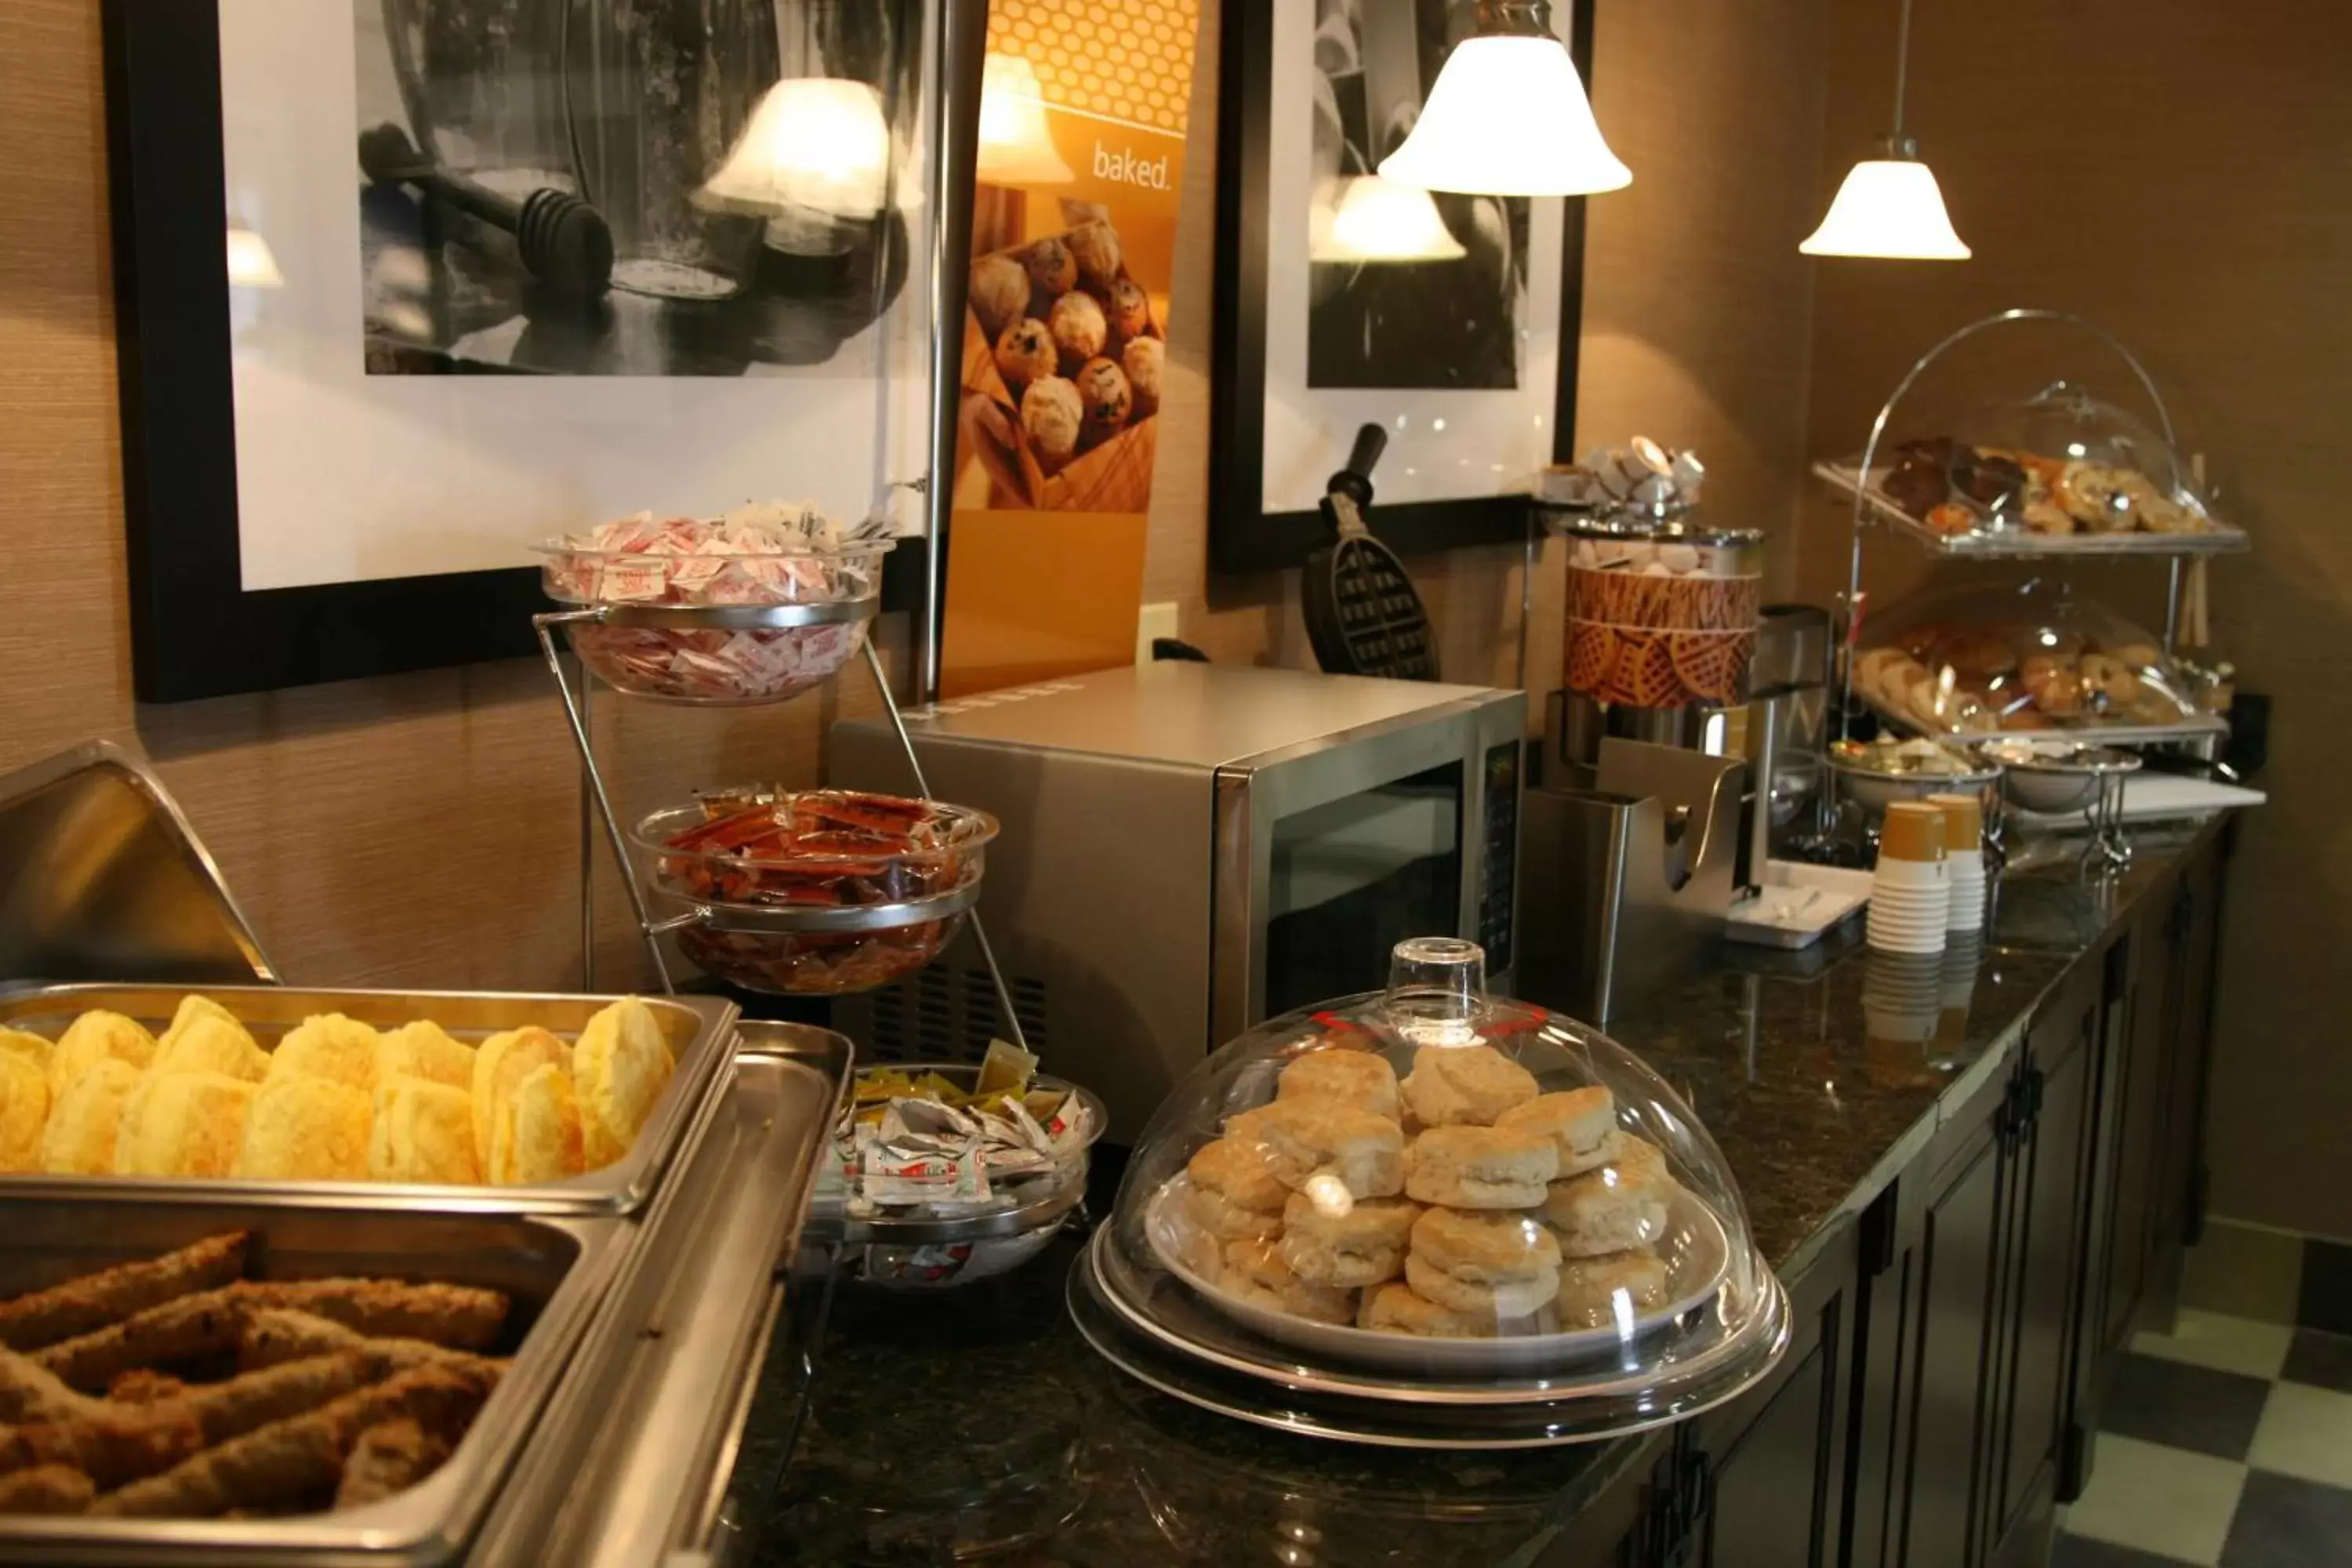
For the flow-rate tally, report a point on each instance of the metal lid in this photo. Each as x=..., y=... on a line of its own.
x=106, y=880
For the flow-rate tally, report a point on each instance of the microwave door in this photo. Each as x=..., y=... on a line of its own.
x=1327, y=857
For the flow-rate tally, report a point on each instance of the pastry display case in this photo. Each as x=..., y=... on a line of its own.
x=2057, y=475
x=1428, y=1215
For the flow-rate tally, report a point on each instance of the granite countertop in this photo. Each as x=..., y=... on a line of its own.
x=944, y=1424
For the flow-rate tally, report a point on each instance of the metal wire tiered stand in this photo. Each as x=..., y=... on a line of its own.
x=2108, y=846
x=736, y=919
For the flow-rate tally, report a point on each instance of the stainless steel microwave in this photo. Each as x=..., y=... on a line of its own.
x=1188, y=848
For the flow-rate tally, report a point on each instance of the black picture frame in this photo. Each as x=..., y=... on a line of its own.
x=1242, y=536
x=195, y=631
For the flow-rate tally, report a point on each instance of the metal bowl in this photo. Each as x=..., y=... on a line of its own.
x=2054, y=784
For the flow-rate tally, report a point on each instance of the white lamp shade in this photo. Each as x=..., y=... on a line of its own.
x=1508, y=117
x=250, y=263
x=1381, y=220
x=1016, y=148
x=1889, y=208
x=818, y=142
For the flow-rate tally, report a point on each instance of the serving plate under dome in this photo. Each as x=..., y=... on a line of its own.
x=1696, y=1257
x=1174, y=1306
x=1379, y=1412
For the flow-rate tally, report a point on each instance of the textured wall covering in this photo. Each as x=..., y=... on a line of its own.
x=2193, y=193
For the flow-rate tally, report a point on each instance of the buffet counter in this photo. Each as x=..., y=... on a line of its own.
x=945, y=1425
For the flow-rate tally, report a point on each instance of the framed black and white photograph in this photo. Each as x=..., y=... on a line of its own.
x=495, y=271
x=1344, y=299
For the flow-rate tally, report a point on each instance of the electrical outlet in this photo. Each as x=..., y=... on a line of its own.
x=1153, y=621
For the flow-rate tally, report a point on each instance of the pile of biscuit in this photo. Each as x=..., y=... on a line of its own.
x=1503, y=1210
x=337, y=1101
x=174, y=1388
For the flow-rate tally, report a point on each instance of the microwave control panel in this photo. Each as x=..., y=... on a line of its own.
x=1498, y=887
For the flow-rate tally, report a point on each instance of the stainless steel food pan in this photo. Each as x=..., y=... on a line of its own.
x=556, y=1269
x=634, y=1459
x=699, y=1030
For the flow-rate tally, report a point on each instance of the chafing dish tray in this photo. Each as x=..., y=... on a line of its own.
x=698, y=1029
x=555, y=1270
x=635, y=1463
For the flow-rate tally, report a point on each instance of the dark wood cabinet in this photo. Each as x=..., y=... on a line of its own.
x=1929, y=1372
x=1775, y=1460
x=2050, y=1136
x=1949, y=1347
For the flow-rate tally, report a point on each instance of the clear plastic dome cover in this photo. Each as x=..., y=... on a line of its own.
x=2057, y=468
x=1982, y=661
x=1433, y=1194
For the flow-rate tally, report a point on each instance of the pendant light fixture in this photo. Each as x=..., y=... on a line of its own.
x=1890, y=206
x=1377, y=220
x=1508, y=116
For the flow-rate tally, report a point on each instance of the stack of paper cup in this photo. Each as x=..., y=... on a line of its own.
x=1911, y=892
x=1964, y=853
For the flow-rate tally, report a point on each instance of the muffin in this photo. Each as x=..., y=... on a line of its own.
x=1000, y=292
x=1095, y=248
x=1078, y=327
x=1024, y=354
x=1053, y=415
x=1142, y=361
x=1052, y=266
x=1102, y=386
x=1130, y=308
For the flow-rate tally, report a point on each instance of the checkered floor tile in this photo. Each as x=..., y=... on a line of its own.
x=2226, y=1444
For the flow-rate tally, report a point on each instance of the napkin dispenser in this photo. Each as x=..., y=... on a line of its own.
x=1628, y=882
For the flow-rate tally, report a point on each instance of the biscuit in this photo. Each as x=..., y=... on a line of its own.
x=1590, y=1289
x=1394, y=1308
x=536, y=1134
x=424, y=1049
x=1484, y=1247
x=28, y=1045
x=1239, y=1172
x=79, y=1138
x=24, y=1110
x=1254, y=1271
x=97, y=1035
x=186, y=1124
x=620, y=1066
x=503, y=1061
x=1301, y=1137
x=1459, y=1086
x=422, y=1131
x=305, y=1127
x=1580, y=1122
x=1479, y=1167
x=1497, y=1304
x=1337, y=1072
x=211, y=1045
x=328, y=1045
x=1362, y=1246
x=192, y=1007
x=1618, y=1207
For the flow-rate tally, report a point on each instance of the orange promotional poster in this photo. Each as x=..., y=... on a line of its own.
x=1082, y=122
